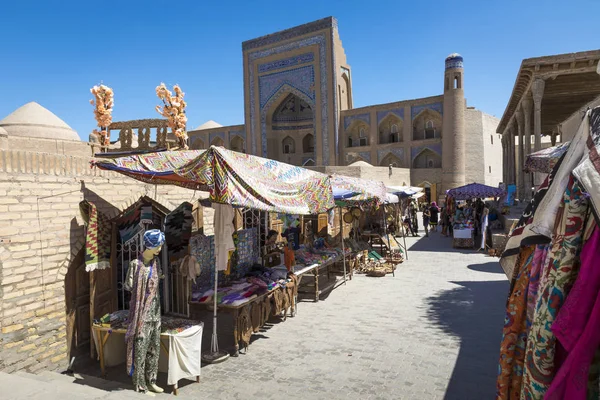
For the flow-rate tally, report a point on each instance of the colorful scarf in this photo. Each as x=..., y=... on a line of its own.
x=561, y=271
x=514, y=333
x=98, y=237
x=144, y=290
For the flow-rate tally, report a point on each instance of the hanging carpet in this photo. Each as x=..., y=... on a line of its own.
x=178, y=231
x=98, y=237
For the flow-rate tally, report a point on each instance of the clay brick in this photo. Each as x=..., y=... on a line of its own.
x=58, y=358
x=13, y=279
x=21, y=247
x=12, y=310
x=27, y=347
x=19, y=207
x=25, y=254
x=10, y=264
x=12, y=295
x=7, y=230
x=12, y=328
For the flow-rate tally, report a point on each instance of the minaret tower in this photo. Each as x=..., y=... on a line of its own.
x=453, y=129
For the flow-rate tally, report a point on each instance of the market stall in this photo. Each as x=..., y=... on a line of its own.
x=545, y=160
x=232, y=179
x=464, y=220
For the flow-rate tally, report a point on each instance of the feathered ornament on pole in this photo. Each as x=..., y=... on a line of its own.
x=103, y=103
x=173, y=109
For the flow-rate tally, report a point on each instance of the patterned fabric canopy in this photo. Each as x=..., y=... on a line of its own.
x=365, y=190
x=474, y=190
x=232, y=178
x=545, y=160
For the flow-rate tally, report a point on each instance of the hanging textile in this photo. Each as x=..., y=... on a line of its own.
x=514, y=333
x=146, y=214
x=129, y=224
x=98, y=237
x=588, y=172
x=223, y=222
x=546, y=213
x=561, y=272
x=577, y=329
x=178, y=230
x=522, y=235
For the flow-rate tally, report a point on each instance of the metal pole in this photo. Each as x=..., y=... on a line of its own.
x=342, y=238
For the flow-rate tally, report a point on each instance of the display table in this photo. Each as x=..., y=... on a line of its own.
x=114, y=350
x=313, y=272
x=236, y=310
x=463, y=238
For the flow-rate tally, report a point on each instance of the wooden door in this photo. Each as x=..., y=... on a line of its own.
x=103, y=291
x=77, y=292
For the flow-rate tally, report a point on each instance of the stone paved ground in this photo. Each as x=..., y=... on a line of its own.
x=430, y=332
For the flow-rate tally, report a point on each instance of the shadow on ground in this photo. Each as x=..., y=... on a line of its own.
x=474, y=313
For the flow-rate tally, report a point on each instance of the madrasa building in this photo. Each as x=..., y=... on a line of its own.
x=298, y=108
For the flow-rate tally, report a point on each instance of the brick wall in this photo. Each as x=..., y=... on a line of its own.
x=41, y=231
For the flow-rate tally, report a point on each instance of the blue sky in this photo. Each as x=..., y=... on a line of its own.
x=54, y=52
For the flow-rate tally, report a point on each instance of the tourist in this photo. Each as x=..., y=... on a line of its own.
x=443, y=221
x=433, y=219
x=426, y=216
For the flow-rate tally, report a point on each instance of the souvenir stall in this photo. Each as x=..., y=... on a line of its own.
x=463, y=226
x=405, y=195
x=550, y=339
x=244, y=181
x=545, y=160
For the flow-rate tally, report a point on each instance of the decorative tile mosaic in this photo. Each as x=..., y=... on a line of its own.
x=435, y=147
x=293, y=109
x=398, y=152
x=398, y=112
x=241, y=134
x=286, y=62
x=287, y=34
x=292, y=127
x=434, y=106
x=301, y=79
x=334, y=94
x=454, y=62
x=215, y=135
x=348, y=120
x=365, y=155
x=319, y=40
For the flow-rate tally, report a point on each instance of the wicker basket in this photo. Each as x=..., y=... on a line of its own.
x=376, y=273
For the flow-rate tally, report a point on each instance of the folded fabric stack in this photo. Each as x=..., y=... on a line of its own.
x=174, y=325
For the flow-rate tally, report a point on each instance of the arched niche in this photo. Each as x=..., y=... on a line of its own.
x=197, y=144
x=217, y=142
x=357, y=134
x=427, y=125
x=308, y=143
x=391, y=159
x=237, y=144
x=427, y=159
x=288, y=145
x=390, y=129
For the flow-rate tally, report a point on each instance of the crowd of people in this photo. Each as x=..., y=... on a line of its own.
x=432, y=215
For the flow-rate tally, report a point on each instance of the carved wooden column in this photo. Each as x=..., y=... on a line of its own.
x=505, y=158
x=526, y=104
x=537, y=91
x=512, y=177
x=521, y=155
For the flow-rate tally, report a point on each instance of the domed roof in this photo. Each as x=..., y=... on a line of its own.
x=453, y=55
x=454, y=60
x=34, y=121
x=208, y=125
x=360, y=164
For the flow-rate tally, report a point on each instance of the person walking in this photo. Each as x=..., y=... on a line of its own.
x=426, y=216
x=434, y=215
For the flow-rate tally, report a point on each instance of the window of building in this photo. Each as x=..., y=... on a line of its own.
x=362, y=132
x=393, y=137
x=429, y=130
x=286, y=149
x=363, y=141
x=349, y=142
x=492, y=138
x=490, y=168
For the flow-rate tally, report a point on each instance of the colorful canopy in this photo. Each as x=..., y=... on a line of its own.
x=474, y=190
x=362, y=189
x=404, y=191
x=232, y=178
x=545, y=160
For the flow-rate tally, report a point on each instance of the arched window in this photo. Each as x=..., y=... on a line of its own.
x=308, y=143
x=362, y=137
x=394, y=133
x=429, y=130
x=350, y=142
x=394, y=128
x=288, y=145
